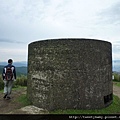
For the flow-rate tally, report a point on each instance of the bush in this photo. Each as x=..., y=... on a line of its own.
x=1, y=83
x=116, y=77
x=20, y=81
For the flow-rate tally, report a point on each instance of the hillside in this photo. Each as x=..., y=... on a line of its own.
x=21, y=71
x=16, y=64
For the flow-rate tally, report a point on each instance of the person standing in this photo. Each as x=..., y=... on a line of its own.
x=9, y=76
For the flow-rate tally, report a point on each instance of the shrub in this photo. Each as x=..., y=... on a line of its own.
x=1, y=83
x=20, y=81
x=116, y=77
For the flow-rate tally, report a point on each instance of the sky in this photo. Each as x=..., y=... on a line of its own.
x=25, y=21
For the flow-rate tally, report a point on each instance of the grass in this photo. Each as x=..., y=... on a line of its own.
x=112, y=109
x=23, y=100
x=1, y=91
x=14, y=88
x=18, y=87
x=117, y=84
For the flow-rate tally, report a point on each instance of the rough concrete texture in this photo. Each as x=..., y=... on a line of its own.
x=70, y=74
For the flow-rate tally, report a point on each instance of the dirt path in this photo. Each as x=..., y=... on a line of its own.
x=7, y=106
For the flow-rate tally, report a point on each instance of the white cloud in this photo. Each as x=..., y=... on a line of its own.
x=111, y=14
x=16, y=54
x=28, y=20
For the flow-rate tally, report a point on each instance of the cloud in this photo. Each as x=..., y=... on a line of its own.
x=111, y=14
x=13, y=51
x=23, y=21
x=16, y=53
x=116, y=47
x=3, y=40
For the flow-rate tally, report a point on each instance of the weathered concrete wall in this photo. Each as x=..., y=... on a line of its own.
x=70, y=73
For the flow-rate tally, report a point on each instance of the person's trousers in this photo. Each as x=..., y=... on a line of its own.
x=8, y=86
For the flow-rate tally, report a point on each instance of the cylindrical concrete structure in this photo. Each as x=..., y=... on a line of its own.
x=70, y=74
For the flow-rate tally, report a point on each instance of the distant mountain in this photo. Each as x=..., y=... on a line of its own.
x=21, y=67
x=16, y=64
x=21, y=71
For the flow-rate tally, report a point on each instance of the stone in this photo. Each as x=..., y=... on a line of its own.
x=70, y=74
x=31, y=109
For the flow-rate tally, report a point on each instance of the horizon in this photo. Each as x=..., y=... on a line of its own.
x=27, y=60
x=115, y=64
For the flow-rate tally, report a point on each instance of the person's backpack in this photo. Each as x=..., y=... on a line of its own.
x=9, y=73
